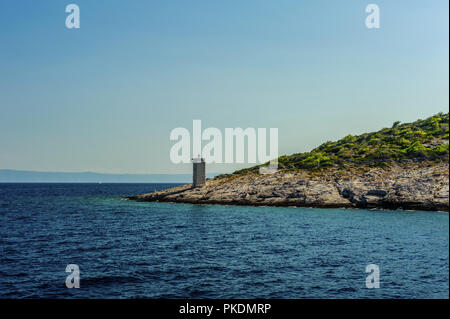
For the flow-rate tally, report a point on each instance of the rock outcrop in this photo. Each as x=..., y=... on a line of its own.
x=414, y=186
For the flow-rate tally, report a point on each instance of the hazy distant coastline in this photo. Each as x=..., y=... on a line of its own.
x=24, y=176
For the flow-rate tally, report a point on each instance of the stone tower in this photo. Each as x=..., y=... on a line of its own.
x=199, y=172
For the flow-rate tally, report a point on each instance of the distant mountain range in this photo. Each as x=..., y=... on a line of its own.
x=19, y=176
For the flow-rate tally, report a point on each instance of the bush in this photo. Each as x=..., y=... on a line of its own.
x=422, y=138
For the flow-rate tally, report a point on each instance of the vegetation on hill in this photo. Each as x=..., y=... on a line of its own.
x=421, y=140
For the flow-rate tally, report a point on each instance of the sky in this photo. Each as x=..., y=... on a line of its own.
x=106, y=96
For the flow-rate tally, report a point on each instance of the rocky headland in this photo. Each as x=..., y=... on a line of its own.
x=404, y=187
x=403, y=167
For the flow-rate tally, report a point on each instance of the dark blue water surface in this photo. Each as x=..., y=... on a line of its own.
x=128, y=249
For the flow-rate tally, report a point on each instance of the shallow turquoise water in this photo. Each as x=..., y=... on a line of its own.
x=128, y=249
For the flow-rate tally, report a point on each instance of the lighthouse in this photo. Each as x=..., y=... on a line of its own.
x=199, y=172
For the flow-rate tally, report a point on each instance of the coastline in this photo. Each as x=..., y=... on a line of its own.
x=414, y=186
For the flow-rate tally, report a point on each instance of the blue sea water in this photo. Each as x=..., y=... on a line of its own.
x=127, y=249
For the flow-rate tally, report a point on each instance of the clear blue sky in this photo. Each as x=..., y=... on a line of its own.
x=105, y=97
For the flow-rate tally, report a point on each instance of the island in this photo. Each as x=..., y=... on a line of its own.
x=405, y=166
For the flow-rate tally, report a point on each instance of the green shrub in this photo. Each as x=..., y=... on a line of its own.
x=422, y=138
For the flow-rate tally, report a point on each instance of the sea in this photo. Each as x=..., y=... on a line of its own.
x=128, y=249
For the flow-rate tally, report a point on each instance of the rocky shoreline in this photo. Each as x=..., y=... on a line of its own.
x=417, y=186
